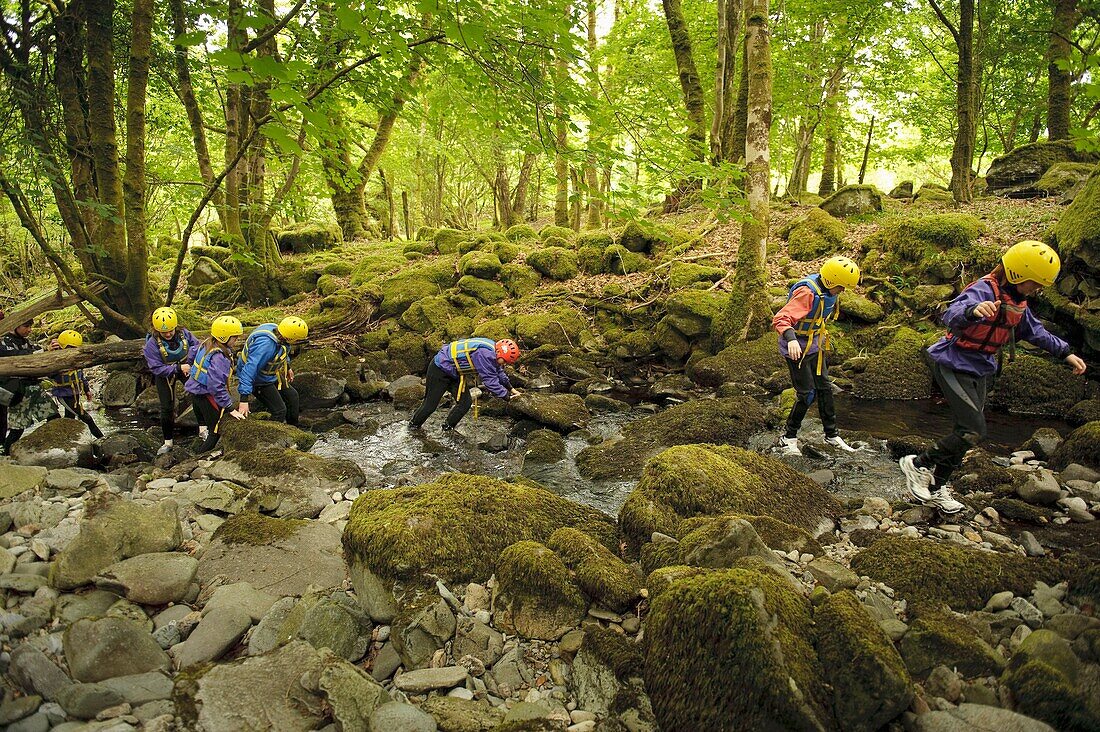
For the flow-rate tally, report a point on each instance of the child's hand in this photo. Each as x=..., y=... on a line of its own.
x=1076, y=364
x=794, y=350
x=987, y=309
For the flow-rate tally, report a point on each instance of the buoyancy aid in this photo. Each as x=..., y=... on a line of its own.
x=200, y=370
x=822, y=309
x=170, y=353
x=461, y=353
x=990, y=336
x=279, y=365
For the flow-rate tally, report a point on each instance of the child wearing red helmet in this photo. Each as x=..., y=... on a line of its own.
x=468, y=359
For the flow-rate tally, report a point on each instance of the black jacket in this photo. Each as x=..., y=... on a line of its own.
x=14, y=344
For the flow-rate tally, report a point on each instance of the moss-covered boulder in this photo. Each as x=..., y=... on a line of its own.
x=1043, y=692
x=205, y=271
x=557, y=263
x=1034, y=385
x=1083, y=412
x=456, y=527
x=1077, y=233
x=902, y=190
x=854, y=306
x=485, y=265
x=519, y=232
x=728, y=542
x=562, y=412
x=1082, y=446
x=870, y=682
x=536, y=596
x=293, y=484
x=607, y=679
x=1061, y=178
x=619, y=260
x=485, y=291
x=59, y=443
x=854, y=200
x=561, y=326
x=691, y=311
x=447, y=240
x=923, y=570
x=747, y=362
x=731, y=650
x=934, y=248
x=428, y=315
x=1016, y=173
x=938, y=638
x=308, y=237
x=402, y=289
x=519, y=279
x=813, y=235
x=729, y=421
x=604, y=577
x=557, y=232
x=690, y=274
x=252, y=434
x=644, y=236
x=897, y=372
x=710, y=480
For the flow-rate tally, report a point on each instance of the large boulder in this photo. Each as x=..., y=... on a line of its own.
x=119, y=390
x=557, y=263
x=16, y=479
x=711, y=480
x=691, y=312
x=562, y=326
x=607, y=680
x=298, y=484
x=535, y=595
x=1016, y=173
x=1082, y=446
x=897, y=372
x=732, y=649
x=102, y=648
x=935, y=248
x=562, y=412
x=853, y=201
x=645, y=236
x=206, y=272
x=262, y=434
x=280, y=557
x=158, y=578
x=318, y=391
x=1035, y=385
x=723, y=421
x=59, y=443
x=332, y=621
x=604, y=577
x=113, y=530
x=1077, y=233
x=1064, y=179
x=937, y=638
x=308, y=237
x=813, y=235
x=749, y=362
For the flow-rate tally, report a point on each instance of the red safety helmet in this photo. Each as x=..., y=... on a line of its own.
x=508, y=350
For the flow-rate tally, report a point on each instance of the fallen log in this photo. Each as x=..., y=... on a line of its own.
x=51, y=301
x=68, y=359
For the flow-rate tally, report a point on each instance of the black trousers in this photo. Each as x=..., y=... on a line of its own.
x=438, y=383
x=810, y=387
x=166, y=391
x=966, y=395
x=74, y=410
x=209, y=417
x=3, y=423
x=281, y=403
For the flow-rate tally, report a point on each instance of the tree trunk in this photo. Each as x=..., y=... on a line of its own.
x=405, y=214
x=1059, y=78
x=800, y=167
x=70, y=359
x=748, y=314
x=866, y=150
x=725, y=75
x=741, y=114
x=561, y=143
x=387, y=193
x=133, y=181
x=575, y=205
x=690, y=85
x=966, y=97
x=591, y=175
x=519, y=195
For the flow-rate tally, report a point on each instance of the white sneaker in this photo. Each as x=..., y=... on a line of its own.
x=789, y=446
x=204, y=432
x=838, y=442
x=943, y=500
x=919, y=480
x=164, y=448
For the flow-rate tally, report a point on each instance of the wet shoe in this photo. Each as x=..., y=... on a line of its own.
x=788, y=446
x=918, y=480
x=204, y=432
x=943, y=500
x=838, y=442
x=447, y=428
x=417, y=428
x=164, y=448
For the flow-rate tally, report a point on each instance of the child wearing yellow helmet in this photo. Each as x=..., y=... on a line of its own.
x=208, y=381
x=263, y=368
x=803, y=341
x=70, y=388
x=988, y=315
x=169, y=352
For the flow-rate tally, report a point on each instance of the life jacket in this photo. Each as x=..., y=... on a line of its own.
x=822, y=309
x=279, y=365
x=200, y=369
x=170, y=353
x=461, y=353
x=990, y=336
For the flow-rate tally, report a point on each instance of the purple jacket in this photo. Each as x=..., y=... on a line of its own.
x=65, y=383
x=214, y=381
x=959, y=314
x=489, y=371
x=155, y=359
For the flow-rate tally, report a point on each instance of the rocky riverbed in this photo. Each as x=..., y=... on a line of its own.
x=282, y=585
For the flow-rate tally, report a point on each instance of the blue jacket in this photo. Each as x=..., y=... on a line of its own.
x=264, y=359
x=483, y=359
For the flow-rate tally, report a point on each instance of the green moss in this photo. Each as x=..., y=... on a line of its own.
x=427, y=315
x=733, y=645
x=599, y=239
x=457, y=526
x=520, y=232
x=636, y=343
x=614, y=651
x=1084, y=586
x=689, y=274
x=559, y=232
x=248, y=435
x=447, y=240
x=777, y=534
x=870, y=682
x=1084, y=411
x=484, y=291
x=1061, y=177
x=711, y=480
x=730, y=421
x=814, y=235
x=408, y=349
x=692, y=311
x=519, y=279
x=57, y=433
x=257, y=529
x=219, y=254
x=1077, y=233
x=561, y=326
x=529, y=570
x=308, y=237
x=978, y=472
x=938, y=638
x=1017, y=510
x=544, y=446
x=855, y=306
x=557, y=263
x=1082, y=446
x=426, y=233
x=619, y=260
x=928, y=571
x=484, y=265
x=590, y=259
x=604, y=577
x=656, y=555
x=897, y=372
x=645, y=236
x=745, y=362
x=419, y=247
x=1034, y=385
x=665, y=576
x=506, y=251
x=1042, y=692
x=417, y=281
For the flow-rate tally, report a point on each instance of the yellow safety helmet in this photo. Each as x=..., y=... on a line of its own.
x=225, y=327
x=839, y=271
x=164, y=320
x=70, y=339
x=1031, y=260
x=293, y=328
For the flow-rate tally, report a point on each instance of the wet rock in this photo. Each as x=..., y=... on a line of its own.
x=535, y=596
x=85, y=701
x=125, y=448
x=299, y=484
x=98, y=649
x=422, y=629
x=1040, y=487
x=318, y=391
x=36, y=673
x=15, y=479
x=1044, y=441
x=59, y=443
x=562, y=412
x=150, y=579
x=398, y=717
x=1070, y=626
x=474, y=638
x=970, y=717
x=217, y=632
x=71, y=482
x=119, y=390
x=386, y=663
x=406, y=391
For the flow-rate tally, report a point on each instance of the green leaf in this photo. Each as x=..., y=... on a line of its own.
x=194, y=38
x=287, y=144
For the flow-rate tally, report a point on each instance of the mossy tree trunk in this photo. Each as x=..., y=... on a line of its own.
x=967, y=95
x=831, y=121
x=561, y=145
x=741, y=113
x=591, y=175
x=692, y=90
x=722, y=123
x=748, y=314
x=1059, y=49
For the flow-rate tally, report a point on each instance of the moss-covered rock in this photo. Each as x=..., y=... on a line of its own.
x=1082, y=446
x=308, y=237
x=256, y=529
x=747, y=362
x=644, y=236
x=729, y=421
x=563, y=412
x=485, y=265
x=1034, y=385
x=402, y=289
x=813, y=235
x=854, y=306
x=1084, y=586
x=604, y=577
x=598, y=239
x=1042, y=692
x=923, y=570
x=484, y=291
x=264, y=435
x=933, y=249
x=1077, y=233
x=1063, y=177
x=544, y=446
x=535, y=597
x=897, y=372
x=688, y=274
x=519, y=279
x=557, y=263
x=456, y=526
x=557, y=232
x=619, y=260
x=59, y=443
x=870, y=682
x=1017, y=172
x=561, y=326
x=855, y=200
x=590, y=259
x=1084, y=411
x=711, y=480
x=1016, y=510
x=731, y=650
x=447, y=240
x=428, y=315
x=938, y=638
x=979, y=472
x=519, y=232
x=293, y=484
x=691, y=311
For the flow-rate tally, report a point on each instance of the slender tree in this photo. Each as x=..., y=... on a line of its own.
x=1059, y=77
x=967, y=82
